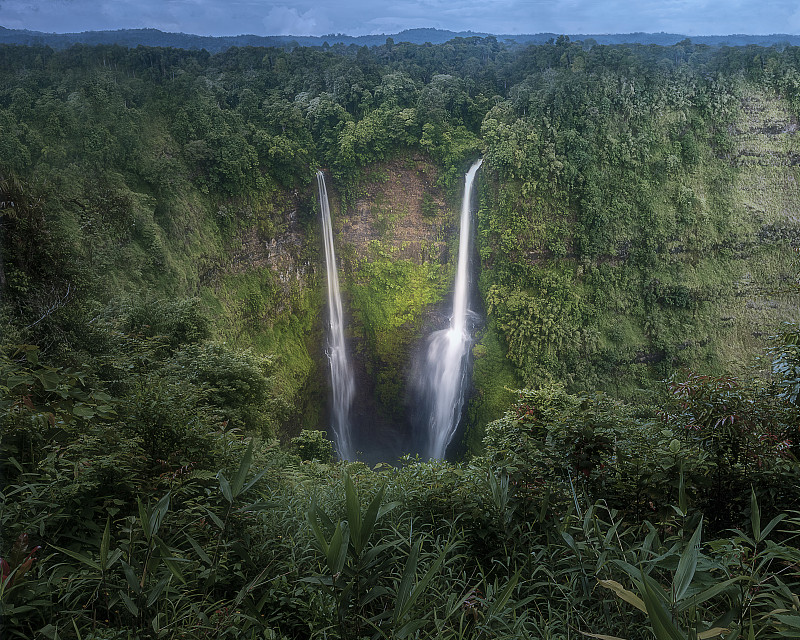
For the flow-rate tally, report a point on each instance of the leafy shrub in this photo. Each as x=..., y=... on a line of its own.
x=179, y=321
x=313, y=445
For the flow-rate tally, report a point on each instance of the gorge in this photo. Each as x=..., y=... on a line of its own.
x=437, y=383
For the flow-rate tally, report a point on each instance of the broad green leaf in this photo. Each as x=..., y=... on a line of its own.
x=386, y=508
x=772, y=523
x=169, y=560
x=129, y=603
x=322, y=543
x=793, y=622
x=687, y=565
x=215, y=519
x=83, y=411
x=337, y=550
x=662, y=623
x=241, y=475
x=404, y=590
x=370, y=517
x=622, y=592
x=255, y=479
x=144, y=517
x=80, y=558
x=372, y=594
x=157, y=590
x=569, y=540
x=325, y=520
x=158, y=514
x=15, y=380
x=409, y=628
x=130, y=576
x=353, y=512
x=225, y=487
x=502, y=598
x=17, y=610
x=115, y=555
x=199, y=550
x=49, y=379
x=707, y=594
x=712, y=633
x=258, y=506
x=637, y=575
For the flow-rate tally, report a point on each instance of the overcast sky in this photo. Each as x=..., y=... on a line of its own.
x=359, y=17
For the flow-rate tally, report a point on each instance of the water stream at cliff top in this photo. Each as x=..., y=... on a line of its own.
x=342, y=380
x=444, y=378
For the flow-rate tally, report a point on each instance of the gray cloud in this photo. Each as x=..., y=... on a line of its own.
x=356, y=17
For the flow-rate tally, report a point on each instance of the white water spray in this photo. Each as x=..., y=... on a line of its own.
x=446, y=363
x=342, y=379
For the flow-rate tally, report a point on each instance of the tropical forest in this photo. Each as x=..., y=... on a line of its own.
x=469, y=340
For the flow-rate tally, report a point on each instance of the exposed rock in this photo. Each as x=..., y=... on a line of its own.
x=399, y=205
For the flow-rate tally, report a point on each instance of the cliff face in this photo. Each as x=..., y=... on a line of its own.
x=767, y=195
x=395, y=234
x=265, y=294
x=398, y=207
x=746, y=267
x=691, y=250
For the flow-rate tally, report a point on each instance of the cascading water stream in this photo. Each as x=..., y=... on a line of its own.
x=342, y=380
x=445, y=371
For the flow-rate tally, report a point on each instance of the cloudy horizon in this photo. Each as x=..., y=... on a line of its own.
x=356, y=17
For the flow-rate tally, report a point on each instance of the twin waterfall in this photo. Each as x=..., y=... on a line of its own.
x=443, y=380
x=342, y=379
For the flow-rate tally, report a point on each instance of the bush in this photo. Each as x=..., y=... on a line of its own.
x=313, y=445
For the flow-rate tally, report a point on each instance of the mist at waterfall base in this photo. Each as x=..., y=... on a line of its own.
x=439, y=371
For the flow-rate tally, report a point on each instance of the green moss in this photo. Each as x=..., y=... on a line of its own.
x=494, y=380
x=253, y=310
x=387, y=298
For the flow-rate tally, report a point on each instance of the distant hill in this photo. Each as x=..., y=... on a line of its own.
x=156, y=38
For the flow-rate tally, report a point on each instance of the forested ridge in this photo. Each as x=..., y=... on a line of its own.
x=632, y=427
x=214, y=44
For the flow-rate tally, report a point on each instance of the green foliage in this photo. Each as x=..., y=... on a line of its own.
x=178, y=322
x=313, y=445
x=388, y=298
x=786, y=363
x=236, y=383
x=713, y=436
x=542, y=329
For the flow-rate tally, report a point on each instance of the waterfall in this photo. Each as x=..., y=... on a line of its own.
x=445, y=373
x=342, y=380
